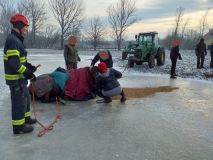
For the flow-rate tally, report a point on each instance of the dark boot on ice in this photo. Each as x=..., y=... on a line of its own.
x=173, y=77
x=123, y=97
x=25, y=128
x=29, y=120
x=107, y=100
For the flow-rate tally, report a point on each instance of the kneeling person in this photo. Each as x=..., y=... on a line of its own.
x=107, y=84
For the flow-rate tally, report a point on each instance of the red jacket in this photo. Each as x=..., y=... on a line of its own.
x=79, y=84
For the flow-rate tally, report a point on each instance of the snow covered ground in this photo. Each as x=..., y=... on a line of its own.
x=51, y=59
x=185, y=68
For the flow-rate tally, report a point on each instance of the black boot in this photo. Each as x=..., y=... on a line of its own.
x=25, y=128
x=107, y=100
x=123, y=97
x=29, y=120
x=173, y=77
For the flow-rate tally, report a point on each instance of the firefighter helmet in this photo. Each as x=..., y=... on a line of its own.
x=19, y=18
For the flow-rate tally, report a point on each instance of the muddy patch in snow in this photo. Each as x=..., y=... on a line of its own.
x=144, y=92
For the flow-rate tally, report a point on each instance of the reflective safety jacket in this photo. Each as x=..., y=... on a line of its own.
x=15, y=59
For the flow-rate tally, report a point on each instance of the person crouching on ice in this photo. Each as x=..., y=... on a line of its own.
x=107, y=84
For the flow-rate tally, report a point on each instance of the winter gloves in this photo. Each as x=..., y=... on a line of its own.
x=31, y=67
x=30, y=76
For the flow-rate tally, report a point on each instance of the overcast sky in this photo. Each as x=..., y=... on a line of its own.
x=155, y=15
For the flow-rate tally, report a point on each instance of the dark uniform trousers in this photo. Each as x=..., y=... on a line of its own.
x=20, y=99
x=211, y=63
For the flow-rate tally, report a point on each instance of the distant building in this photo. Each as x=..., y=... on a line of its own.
x=209, y=37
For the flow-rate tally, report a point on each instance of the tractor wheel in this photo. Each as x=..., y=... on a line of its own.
x=161, y=57
x=130, y=63
x=151, y=61
x=124, y=55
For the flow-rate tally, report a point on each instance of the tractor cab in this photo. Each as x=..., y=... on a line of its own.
x=147, y=41
x=145, y=50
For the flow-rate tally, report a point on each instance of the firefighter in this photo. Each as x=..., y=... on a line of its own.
x=103, y=56
x=200, y=52
x=17, y=72
x=71, y=53
x=107, y=84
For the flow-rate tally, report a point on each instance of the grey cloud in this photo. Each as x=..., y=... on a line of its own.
x=167, y=8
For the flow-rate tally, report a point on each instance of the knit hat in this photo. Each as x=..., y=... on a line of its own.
x=102, y=67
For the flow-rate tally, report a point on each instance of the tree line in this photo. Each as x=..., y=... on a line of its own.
x=69, y=17
x=52, y=21
x=181, y=30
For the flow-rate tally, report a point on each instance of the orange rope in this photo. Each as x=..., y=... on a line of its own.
x=57, y=116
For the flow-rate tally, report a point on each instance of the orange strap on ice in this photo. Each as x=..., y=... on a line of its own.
x=56, y=118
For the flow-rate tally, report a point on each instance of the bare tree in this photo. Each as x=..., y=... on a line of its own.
x=7, y=10
x=96, y=31
x=35, y=10
x=185, y=24
x=120, y=17
x=178, y=21
x=51, y=35
x=67, y=13
x=203, y=22
x=75, y=28
x=191, y=37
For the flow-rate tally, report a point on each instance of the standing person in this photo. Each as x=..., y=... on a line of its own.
x=107, y=84
x=71, y=53
x=103, y=56
x=17, y=71
x=200, y=52
x=211, y=52
x=174, y=55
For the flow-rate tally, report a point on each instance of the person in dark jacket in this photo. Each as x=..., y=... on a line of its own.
x=211, y=52
x=17, y=72
x=71, y=56
x=107, y=84
x=103, y=56
x=174, y=55
x=200, y=52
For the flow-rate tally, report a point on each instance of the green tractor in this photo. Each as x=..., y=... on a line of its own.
x=146, y=49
